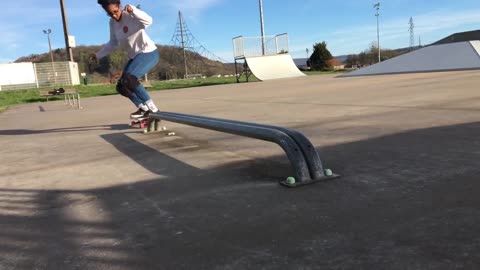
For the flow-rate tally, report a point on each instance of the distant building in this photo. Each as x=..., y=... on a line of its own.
x=302, y=63
x=459, y=37
x=28, y=75
x=336, y=64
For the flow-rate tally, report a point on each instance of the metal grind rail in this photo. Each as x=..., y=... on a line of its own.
x=302, y=155
x=311, y=155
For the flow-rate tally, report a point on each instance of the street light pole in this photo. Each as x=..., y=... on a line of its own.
x=65, y=31
x=262, y=27
x=377, y=7
x=48, y=32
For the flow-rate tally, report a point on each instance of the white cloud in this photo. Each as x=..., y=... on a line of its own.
x=192, y=9
x=393, y=33
x=225, y=55
x=445, y=19
x=193, y=5
x=24, y=21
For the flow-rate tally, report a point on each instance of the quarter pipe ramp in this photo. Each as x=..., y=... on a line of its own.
x=273, y=67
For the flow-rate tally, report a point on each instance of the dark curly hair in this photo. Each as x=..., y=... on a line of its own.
x=106, y=3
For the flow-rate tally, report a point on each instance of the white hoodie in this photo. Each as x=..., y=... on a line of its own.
x=130, y=33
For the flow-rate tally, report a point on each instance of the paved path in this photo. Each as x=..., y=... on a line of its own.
x=81, y=190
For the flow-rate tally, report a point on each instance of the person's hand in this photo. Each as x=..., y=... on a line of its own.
x=128, y=9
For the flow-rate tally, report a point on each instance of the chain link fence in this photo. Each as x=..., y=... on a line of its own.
x=253, y=46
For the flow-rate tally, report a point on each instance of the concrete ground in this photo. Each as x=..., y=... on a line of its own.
x=79, y=189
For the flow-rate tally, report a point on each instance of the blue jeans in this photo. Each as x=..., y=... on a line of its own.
x=138, y=67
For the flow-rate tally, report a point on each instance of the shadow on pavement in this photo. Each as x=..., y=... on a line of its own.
x=405, y=201
x=10, y=132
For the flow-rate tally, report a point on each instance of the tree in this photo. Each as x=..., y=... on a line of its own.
x=352, y=60
x=117, y=60
x=370, y=55
x=319, y=60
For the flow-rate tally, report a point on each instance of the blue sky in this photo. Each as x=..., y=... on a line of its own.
x=348, y=26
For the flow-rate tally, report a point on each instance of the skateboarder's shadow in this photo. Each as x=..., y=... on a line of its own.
x=116, y=127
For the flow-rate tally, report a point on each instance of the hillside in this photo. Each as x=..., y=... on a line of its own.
x=170, y=66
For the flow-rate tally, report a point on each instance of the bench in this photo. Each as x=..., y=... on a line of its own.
x=71, y=96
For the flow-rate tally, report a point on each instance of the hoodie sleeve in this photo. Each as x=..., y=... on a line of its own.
x=144, y=19
x=110, y=45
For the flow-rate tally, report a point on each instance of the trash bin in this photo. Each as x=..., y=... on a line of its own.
x=85, y=80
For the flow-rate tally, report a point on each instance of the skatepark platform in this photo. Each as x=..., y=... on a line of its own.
x=79, y=189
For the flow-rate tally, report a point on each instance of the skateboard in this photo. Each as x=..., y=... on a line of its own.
x=139, y=122
x=143, y=123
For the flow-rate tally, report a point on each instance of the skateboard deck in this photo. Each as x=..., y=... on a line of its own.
x=139, y=122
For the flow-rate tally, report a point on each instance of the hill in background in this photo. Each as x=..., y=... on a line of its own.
x=170, y=66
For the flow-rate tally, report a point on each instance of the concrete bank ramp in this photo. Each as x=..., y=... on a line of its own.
x=445, y=57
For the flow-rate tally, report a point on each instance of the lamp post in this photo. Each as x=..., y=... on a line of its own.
x=377, y=7
x=262, y=27
x=65, y=31
x=48, y=32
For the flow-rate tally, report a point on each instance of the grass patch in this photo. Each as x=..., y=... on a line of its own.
x=96, y=90
x=313, y=73
x=12, y=97
x=175, y=84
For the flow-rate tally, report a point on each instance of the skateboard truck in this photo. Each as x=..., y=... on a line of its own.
x=153, y=125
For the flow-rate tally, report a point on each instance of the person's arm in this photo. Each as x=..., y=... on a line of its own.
x=144, y=19
x=110, y=46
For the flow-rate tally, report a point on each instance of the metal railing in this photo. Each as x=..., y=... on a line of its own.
x=301, y=153
x=253, y=46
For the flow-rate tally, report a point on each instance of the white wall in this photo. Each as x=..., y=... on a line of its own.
x=17, y=73
x=74, y=73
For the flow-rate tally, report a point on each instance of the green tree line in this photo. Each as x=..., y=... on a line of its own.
x=370, y=56
x=321, y=58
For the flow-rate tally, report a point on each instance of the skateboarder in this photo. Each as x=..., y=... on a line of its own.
x=127, y=29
